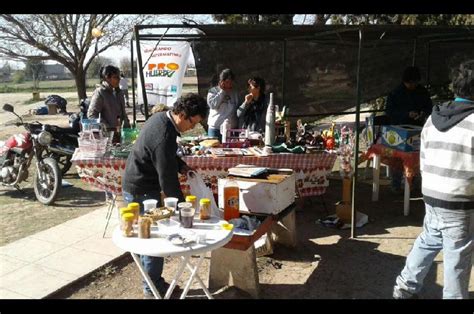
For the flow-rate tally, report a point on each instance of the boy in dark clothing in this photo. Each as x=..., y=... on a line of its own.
x=153, y=166
x=408, y=103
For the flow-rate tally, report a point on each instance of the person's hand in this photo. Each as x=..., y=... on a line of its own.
x=248, y=98
x=414, y=115
x=222, y=85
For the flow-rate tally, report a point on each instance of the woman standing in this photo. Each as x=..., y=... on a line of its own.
x=108, y=101
x=252, y=112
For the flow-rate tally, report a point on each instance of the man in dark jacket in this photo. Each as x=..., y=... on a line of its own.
x=447, y=168
x=153, y=166
x=408, y=103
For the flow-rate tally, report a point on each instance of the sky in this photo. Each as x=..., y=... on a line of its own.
x=117, y=53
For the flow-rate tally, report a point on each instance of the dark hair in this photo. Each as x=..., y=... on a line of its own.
x=463, y=81
x=226, y=74
x=191, y=105
x=411, y=74
x=257, y=82
x=107, y=71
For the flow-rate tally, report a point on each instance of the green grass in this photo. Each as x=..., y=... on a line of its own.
x=45, y=86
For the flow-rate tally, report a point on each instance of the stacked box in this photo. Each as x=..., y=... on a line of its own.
x=403, y=137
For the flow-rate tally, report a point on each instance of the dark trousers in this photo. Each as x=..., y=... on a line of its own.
x=152, y=265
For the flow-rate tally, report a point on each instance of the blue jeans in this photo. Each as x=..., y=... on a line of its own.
x=151, y=264
x=211, y=132
x=451, y=231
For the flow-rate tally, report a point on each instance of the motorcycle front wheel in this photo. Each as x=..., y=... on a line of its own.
x=64, y=162
x=47, y=189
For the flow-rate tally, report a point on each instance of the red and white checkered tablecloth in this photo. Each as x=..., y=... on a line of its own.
x=311, y=170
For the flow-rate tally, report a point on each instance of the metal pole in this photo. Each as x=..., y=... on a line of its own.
x=140, y=72
x=428, y=64
x=356, y=153
x=414, y=53
x=283, y=77
x=133, y=84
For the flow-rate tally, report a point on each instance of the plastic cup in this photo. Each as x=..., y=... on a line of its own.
x=183, y=205
x=149, y=204
x=187, y=217
x=170, y=202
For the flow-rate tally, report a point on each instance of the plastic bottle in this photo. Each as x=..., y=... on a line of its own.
x=270, y=123
x=231, y=199
x=224, y=128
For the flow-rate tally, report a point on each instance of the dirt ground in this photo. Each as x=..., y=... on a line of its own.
x=23, y=215
x=326, y=264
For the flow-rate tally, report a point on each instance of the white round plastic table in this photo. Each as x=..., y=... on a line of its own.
x=159, y=245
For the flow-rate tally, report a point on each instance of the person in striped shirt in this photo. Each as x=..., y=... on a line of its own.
x=447, y=169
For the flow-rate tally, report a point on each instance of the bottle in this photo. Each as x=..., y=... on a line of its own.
x=231, y=199
x=144, y=226
x=204, y=209
x=224, y=128
x=135, y=207
x=127, y=230
x=270, y=123
x=193, y=200
x=123, y=211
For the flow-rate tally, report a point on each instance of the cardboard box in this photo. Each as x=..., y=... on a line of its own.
x=269, y=195
x=402, y=137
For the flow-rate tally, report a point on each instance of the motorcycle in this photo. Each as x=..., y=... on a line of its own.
x=17, y=153
x=65, y=140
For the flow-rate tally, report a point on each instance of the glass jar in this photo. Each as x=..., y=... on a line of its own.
x=183, y=205
x=127, y=229
x=122, y=211
x=144, y=225
x=193, y=200
x=135, y=207
x=204, y=208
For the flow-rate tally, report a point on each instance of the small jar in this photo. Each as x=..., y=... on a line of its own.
x=204, y=209
x=135, y=207
x=183, y=205
x=144, y=225
x=124, y=210
x=127, y=230
x=193, y=200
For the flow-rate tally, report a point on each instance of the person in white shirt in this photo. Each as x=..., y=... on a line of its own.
x=223, y=102
x=124, y=88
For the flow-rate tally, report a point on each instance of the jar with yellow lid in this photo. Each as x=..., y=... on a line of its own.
x=193, y=200
x=127, y=229
x=136, y=210
x=204, y=208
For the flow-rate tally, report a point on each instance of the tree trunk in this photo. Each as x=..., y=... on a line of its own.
x=80, y=78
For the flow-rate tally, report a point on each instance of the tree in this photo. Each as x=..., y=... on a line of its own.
x=125, y=66
x=34, y=68
x=273, y=19
x=65, y=38
x=94, y=68
x=404, y=19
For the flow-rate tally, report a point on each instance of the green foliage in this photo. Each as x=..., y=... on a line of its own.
x=404, y=19
x=94, y=68
x=272, y=19
x=19, y=77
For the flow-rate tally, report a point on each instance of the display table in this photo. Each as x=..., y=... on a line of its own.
x=159, y=245
x=408, y=161
x=311, y=170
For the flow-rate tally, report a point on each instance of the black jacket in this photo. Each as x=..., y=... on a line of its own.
x=152, y=165
x=401, y=101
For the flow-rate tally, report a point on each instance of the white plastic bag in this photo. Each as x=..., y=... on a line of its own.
x=200, y=190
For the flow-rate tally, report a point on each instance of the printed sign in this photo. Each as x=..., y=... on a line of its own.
x=163, y=73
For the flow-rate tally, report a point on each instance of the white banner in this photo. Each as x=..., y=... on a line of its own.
x=163, y=73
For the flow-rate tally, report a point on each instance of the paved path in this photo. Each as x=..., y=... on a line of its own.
x=41, y=264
